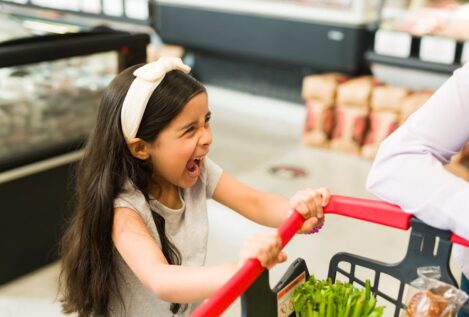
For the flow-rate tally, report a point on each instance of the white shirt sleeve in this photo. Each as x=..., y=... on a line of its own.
x=408, y=170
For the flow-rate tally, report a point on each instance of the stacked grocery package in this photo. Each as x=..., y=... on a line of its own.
x=384, y=116
x=355, y=115
x=319, y=93
x=352, y=109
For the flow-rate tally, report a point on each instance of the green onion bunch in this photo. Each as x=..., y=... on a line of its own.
x=322, y=298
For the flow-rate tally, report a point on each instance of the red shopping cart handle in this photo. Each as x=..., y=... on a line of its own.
x=376, y=211
x=364, y=209
x=239, y=283
x=459, y=240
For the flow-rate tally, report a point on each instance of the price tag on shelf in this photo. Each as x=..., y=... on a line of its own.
x=113, y=8
x=393, y=43
x=73, y=5
x=136, y=9
x=465, y=53
x=41, y=3
x=91, y=6
x=437, y=49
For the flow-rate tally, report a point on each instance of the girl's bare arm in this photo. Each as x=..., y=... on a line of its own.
x=270, y=209
x=175, y=283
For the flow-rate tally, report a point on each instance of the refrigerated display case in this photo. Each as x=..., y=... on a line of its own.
x=50, y=88
x=267, y=46
x=129, y=11
x=427, y=37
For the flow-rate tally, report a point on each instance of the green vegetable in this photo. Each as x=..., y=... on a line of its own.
x=309, y=309
x=378, y=312
x=322, y=307
x=349, y=305
x=357, y=310
x=368, y=289
x=322, y=298
x=370, y=305
x=330, y=306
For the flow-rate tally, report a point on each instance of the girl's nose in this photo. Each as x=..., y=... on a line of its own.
x=206, y=138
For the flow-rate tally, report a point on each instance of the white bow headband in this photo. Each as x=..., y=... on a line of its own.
x=148, y=77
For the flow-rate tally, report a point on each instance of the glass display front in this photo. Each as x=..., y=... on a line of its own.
x=446, y=18
x=50, y=104
x=12, y=28
x=123, y=9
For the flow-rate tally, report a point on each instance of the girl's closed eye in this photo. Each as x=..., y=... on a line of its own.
x=208, y=117
x=189, y=130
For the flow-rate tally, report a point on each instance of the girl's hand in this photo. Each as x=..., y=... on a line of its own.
x=309, y=203
x=265, y=247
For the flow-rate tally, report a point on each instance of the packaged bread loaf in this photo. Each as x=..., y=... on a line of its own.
x=349, y=131
x=319, y=123
x=322, y=87
x=388, y=98
x=381, y=125
x=355, y=92
x=426, y=304
x=430, y=297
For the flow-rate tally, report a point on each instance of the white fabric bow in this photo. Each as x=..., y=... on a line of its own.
x=148, y=77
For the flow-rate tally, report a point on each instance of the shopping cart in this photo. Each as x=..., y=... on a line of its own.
x=427, y=247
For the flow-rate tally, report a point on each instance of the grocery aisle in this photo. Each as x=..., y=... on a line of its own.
x=251, y=135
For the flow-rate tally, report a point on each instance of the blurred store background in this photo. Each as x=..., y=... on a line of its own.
x=302, y=92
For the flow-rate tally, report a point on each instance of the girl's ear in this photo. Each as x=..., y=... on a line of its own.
x=139, y=148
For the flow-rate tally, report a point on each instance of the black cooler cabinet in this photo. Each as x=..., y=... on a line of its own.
x=266, y=47
x=50, y=87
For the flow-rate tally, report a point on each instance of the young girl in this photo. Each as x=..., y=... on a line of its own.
x=138, y=239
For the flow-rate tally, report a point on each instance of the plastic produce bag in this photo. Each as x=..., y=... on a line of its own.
x=431, y=297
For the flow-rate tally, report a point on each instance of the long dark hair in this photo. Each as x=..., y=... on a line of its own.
x=89, y=275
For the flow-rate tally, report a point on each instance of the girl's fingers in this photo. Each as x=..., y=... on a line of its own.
x=297, y=203
x=263, y=246
x=310, y=202
x=326, y=196
x=282, y=257
x=304, y=203
x=318, y=200
x=310, y=224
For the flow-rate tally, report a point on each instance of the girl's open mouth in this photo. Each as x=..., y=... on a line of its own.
x=193, y=166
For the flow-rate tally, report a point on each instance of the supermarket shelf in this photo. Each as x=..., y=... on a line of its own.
x=54, y=14
x=44, y=48
x=410, y=62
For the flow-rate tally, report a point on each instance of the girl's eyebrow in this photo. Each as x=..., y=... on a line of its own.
x=208, y=114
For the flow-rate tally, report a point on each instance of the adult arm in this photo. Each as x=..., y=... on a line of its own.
x=408, y=170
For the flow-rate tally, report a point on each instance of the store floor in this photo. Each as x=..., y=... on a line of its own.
x=251, y=135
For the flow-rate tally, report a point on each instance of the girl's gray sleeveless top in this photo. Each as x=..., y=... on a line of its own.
x=186, y=228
